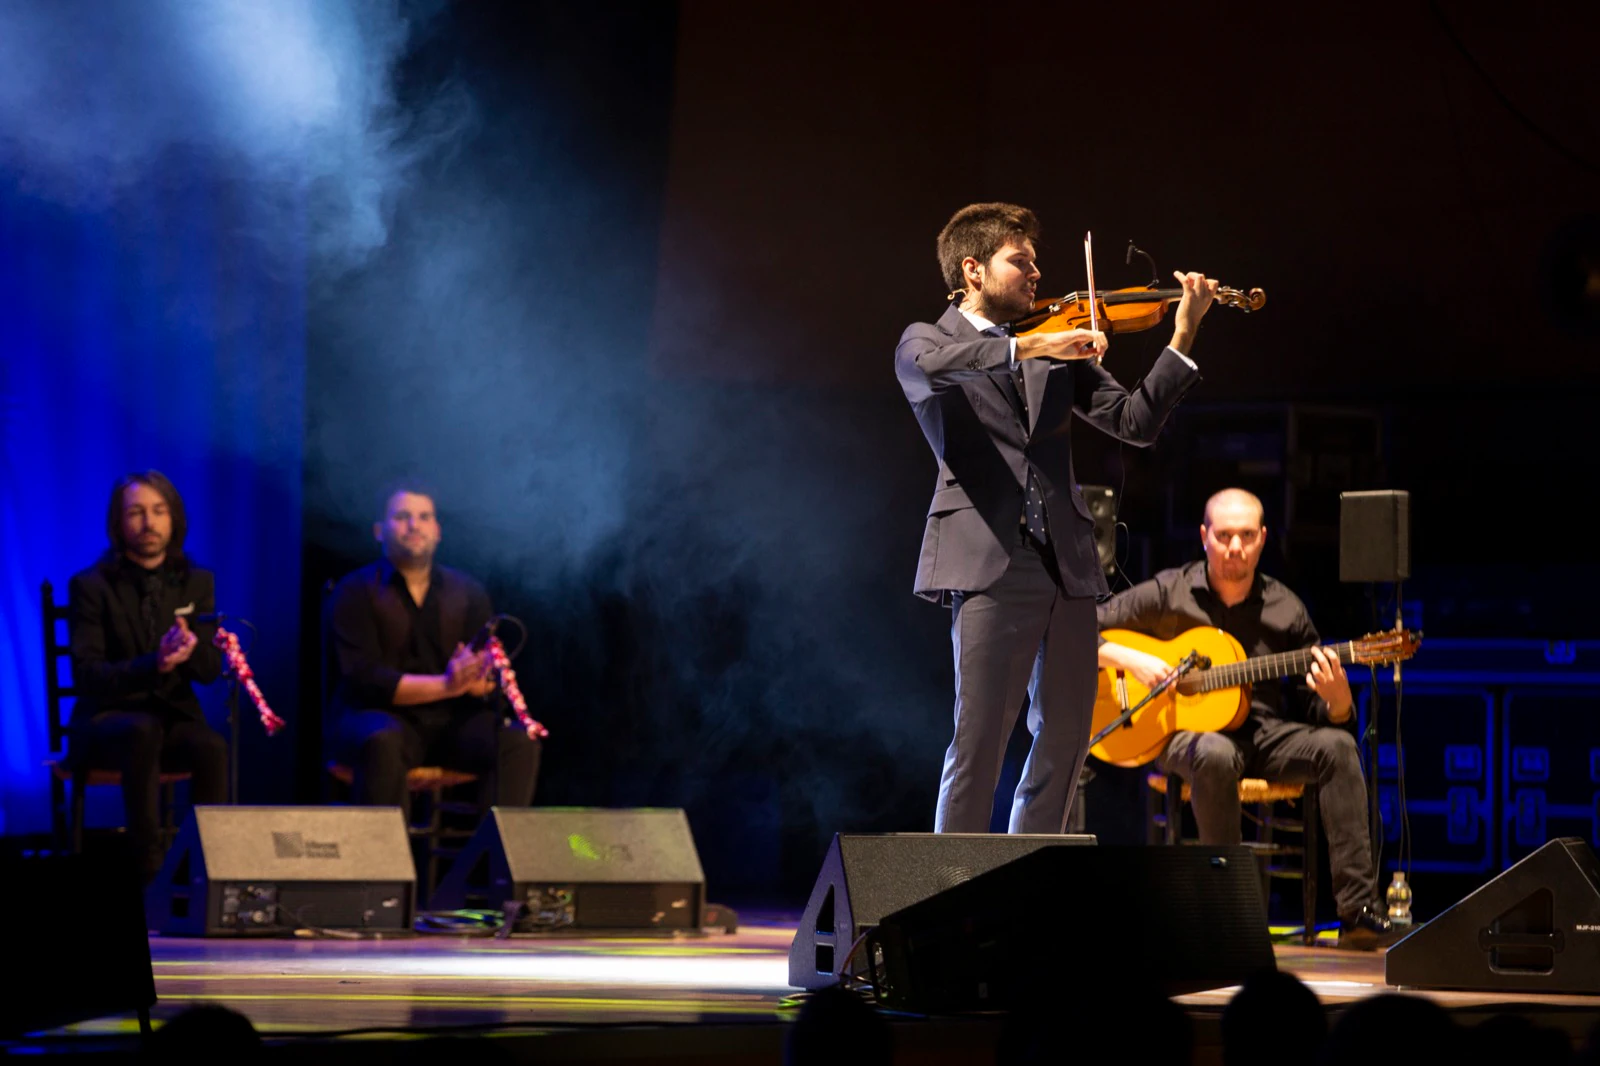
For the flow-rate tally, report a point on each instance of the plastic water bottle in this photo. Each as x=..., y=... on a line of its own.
x=1398, y=897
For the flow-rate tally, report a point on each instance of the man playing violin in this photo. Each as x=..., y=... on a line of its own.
x=1009, y=543
x=1297, y=731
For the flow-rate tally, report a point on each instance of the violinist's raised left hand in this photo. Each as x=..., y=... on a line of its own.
x=1198, y=292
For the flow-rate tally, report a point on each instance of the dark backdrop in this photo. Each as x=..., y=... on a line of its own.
x=637, y=321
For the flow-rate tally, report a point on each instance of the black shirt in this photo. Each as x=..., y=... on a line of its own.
x=423, y=652
x=378, y=633
x=1270, y=619
x=118, y=614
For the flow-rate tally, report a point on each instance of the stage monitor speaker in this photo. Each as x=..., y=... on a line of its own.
x=1062, y=923
x=266, y=871
x=1374, y=536
x=585, y=870
x=1533, y=928
x=865, y=876
x=1102, y=501
x=75, y=931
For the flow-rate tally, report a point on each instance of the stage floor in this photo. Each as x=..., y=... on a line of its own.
x=722, y=997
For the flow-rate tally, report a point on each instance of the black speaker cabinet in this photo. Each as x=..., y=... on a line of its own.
x=1374, y=536
x=77, y=941
x=864, y=877
x=239, y=871
x=1062, y=922
x=1102, y=501
x=581, y=870
x=1534, y=928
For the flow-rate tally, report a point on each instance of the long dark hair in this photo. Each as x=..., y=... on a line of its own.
x=168, y=492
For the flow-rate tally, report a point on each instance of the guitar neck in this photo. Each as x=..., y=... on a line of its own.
x=1271, y=667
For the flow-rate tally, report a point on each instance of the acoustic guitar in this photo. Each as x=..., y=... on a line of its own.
x=1214, y=695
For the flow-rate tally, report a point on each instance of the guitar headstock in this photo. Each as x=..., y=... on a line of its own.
x=1391, y=646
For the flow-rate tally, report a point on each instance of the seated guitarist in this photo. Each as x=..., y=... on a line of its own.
x=1294, y=732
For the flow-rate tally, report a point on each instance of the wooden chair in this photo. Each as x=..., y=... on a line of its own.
x=68, y=783
x=1260, y=800
x=440, y=840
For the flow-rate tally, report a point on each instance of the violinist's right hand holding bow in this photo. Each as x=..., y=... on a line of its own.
x=1067, y=344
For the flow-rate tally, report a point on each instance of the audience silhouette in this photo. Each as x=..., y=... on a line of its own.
x=1273, y=1018
x=836, y=1027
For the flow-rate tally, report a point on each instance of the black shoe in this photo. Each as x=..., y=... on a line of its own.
x=1368, y=931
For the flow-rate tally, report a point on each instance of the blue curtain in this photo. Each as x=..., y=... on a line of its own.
x=164, y=328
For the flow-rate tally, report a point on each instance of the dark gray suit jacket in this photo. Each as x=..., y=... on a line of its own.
x=961, y=389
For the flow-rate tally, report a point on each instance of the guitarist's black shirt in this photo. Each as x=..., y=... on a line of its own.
x=1270, y=619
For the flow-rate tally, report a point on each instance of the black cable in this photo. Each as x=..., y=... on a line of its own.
x=522, y=629
x=1122, y=486
x=1505, y=101
x=1373, y=746
x=255, y=634
x=1400, y=755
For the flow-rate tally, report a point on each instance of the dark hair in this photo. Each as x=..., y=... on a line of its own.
x=415, y=486
x=156, y=480
x=980, y=230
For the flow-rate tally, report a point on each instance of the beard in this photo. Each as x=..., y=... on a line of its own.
x=1002, y=305
x=402, y=553
x=150, y=547
x=1234, y=570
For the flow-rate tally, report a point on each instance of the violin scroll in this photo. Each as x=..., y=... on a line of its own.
x=1253, y=300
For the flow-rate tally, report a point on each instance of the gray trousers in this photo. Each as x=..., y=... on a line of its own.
x=1276, y=750
x=1021, y=636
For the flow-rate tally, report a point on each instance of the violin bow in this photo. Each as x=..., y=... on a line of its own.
x=1088, y=263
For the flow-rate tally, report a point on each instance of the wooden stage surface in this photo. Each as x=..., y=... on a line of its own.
x=721, y=998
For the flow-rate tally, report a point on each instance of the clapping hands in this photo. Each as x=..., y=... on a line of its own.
x=470, y=673
x=177, y=644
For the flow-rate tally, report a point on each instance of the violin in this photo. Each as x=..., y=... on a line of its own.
x=1118, y=310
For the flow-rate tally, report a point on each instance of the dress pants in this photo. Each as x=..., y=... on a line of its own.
x=1020, y=636
x=1296, y=752
x=380, y=746
x=139, y=745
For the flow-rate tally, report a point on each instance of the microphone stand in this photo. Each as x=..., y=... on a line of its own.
x=1374, y=822
x=233, y=739
x=498, y=703
x=1192, y=661
x=1374, y=704
x=233, y=711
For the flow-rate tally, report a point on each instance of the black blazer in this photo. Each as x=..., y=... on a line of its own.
x=961, y=389
x=370, y=626
x=113, y=665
